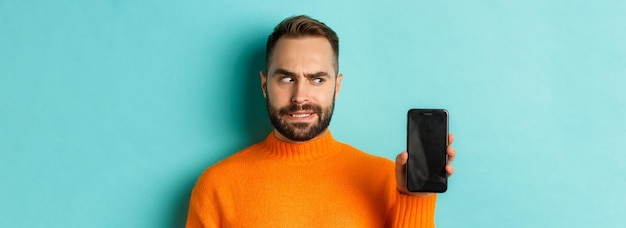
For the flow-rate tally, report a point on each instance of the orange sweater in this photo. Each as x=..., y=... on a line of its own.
x=321, y=183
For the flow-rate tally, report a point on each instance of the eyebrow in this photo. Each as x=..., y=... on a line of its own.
x=284, y=72
x=317, y=75
x=293, y=74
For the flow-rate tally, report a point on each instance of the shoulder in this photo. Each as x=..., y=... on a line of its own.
x=367, y=158
x=225, y=170
x=364, y=155
x=368, y=171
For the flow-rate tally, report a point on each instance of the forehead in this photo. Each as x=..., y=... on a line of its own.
x=302, y=53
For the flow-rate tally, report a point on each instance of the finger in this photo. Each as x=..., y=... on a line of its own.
x=450, y=139
x=451, y=154
x=401, y=158
x=400, y=171
x=449, y=170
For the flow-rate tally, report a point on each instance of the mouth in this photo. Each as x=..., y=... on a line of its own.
x=301, y=115
x=307, y=113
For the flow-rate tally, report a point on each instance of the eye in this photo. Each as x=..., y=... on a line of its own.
x=287, y=79
x=318, y=81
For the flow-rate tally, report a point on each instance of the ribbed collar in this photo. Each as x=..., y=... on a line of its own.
x=300, y=152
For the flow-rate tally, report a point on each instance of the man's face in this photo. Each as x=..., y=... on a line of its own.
x=300, y=87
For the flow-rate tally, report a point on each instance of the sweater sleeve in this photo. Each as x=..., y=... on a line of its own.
x=202, y=207
x=412, y=211
x=405, y=210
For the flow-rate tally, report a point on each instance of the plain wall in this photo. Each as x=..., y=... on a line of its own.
x=110, y=110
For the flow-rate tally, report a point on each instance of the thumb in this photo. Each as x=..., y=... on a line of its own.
x=401, y=158
x=400, y=170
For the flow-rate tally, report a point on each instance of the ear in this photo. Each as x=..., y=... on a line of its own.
x=263, y=83
x=338, y=85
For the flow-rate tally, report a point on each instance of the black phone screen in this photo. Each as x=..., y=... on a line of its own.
x=427, y=140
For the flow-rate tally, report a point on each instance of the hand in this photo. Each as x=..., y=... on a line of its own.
x=401, y=169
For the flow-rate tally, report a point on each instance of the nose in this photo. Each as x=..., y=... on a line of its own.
x=300, y=92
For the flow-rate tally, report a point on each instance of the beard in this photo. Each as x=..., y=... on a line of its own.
x=300, y=131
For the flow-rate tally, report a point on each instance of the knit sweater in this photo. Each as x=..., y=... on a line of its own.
x=320, y=183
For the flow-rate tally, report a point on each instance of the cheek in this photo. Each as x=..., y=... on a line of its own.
x=325, y=98
x=277, y=97
x=330, y=91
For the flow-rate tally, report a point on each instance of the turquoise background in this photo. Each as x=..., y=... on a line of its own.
x=110, y=110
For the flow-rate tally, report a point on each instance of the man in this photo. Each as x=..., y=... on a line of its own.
x=300, y=176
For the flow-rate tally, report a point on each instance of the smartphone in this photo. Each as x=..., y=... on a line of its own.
x=427, y=142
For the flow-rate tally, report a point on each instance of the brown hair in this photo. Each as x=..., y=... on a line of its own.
x=299, y=26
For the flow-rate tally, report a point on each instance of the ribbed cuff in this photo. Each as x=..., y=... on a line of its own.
x=414, y=211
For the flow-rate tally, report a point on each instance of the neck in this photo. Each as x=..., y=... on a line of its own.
x=304, y=151
x=281, y=137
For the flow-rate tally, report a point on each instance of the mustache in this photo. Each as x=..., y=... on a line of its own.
x=304, y=107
